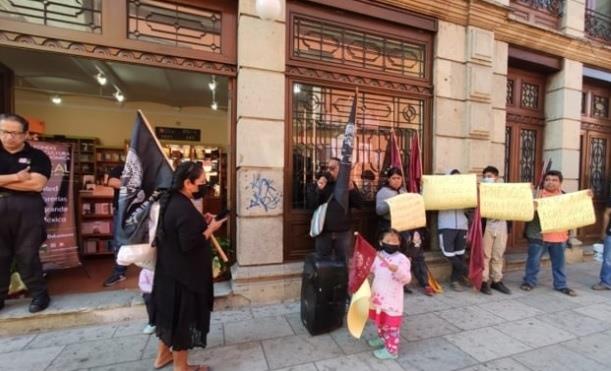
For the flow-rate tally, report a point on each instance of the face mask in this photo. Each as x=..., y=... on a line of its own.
x=487, y=180
x=389, y=249
x=201, y=191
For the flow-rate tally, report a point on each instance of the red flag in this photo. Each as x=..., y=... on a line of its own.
x=360, y=264
x=395, y=153
x=415, y=165
x=476, y=260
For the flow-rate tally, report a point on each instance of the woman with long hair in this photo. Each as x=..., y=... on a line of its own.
x=183, y=289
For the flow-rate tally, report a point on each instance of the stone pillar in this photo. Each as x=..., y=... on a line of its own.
x=259, y=150
x=563, y=122
x=573, y=17
x=499, y=106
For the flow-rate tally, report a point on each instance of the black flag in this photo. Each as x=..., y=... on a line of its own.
x=146, y=173
x=341, y=192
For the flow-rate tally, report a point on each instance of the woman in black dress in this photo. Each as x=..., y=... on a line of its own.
x=182, y=288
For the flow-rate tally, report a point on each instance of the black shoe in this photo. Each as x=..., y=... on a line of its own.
x=486, y=288
x=40, y=303
x=500, y=286
x=407, y=290
x=114, y=279
x=1, y=304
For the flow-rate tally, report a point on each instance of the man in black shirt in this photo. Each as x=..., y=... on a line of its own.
x=24, y=171
x=114, y=181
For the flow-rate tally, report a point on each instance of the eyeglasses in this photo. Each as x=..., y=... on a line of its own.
x=11, y=133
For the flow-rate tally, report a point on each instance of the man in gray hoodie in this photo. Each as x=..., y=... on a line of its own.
x=452, y=226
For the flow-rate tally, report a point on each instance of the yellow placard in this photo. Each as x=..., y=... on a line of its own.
x=506, y=201
x=359, y=310
x=447, y=192
x=565, y=212
x=407, y=211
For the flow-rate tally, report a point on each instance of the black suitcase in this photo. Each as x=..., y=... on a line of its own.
x=323, y=294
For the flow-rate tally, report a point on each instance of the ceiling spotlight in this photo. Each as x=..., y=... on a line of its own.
x=214, y=106
x=56, y=99
x=101, y=78
x=119, y=96
x=212, y=84
x=296, y=88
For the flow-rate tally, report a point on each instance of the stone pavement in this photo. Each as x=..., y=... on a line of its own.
x=539, y=330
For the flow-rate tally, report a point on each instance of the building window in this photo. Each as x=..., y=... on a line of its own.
x=319, y=116
x=528, y=155
x=545, y=13
x=510, y=92
x=507, y=152
x=349, y=48
x=600, y=106
x=530, y=96
x=598, y=20
x=172, y=24
x=598, y=157
x=77, y=15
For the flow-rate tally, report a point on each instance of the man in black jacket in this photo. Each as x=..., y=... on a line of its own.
x=337, y=236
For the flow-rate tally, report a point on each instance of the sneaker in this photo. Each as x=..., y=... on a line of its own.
x=500, y=286
x=407, y=290
x=384, y=354
x=525, y=286
x=148, y=329
x=567, y=291
x=486, y=288
x=428, y=291
x=598, y=287
x=375, y=342
x=454, y=285
x=114, y=279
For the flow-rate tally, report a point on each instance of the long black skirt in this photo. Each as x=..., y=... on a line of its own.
x=181, y=316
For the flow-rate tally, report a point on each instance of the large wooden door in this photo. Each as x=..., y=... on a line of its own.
x=523, y=137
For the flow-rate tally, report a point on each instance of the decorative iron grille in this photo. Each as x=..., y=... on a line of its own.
x=319, y=116
x=169, y=23
x=530, y=96
x=553, y=7
x=600, y=106
x=598, y=156
x=507, y=153
x=509, y=92
x=598, y=25
x=528, y=155
x=79, y=15
x=330, y=43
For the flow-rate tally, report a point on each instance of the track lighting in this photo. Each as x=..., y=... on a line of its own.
x=212, y=83
x=56, y=99
x=119, y=96
x=101, y=78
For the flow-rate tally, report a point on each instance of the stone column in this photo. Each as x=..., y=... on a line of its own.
x=259, y=149
x=499, y=106
x=573, y=17
x=563, y=122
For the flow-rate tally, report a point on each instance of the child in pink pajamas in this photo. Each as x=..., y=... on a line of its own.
x=391, y=271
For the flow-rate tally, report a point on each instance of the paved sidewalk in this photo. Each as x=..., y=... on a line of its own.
x=539, y=330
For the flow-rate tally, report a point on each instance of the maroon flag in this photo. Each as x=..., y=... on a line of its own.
x=395, y=153
x=415, y=165
x=360, y=264
x=476, y=260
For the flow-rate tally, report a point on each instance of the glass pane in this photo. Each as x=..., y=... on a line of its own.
x=78, y=15
x=598, y=157
x=528, y=152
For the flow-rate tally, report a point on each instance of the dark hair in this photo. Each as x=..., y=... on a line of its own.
x=491, y=169
x=186, y=170
x=335, y=159
x=553, y=173
x=393, y=170
x=454, y=172
x=388, y=231
x=25, y=125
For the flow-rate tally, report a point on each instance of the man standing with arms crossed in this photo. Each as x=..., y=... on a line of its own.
x=24, y=172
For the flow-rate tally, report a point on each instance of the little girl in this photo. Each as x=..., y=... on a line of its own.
x=391, y=271
x=145, y=282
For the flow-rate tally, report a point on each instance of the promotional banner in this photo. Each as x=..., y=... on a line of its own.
x=565, y=212
x=448, y=192
x=506, y=201
x=407, y=211
x=60, y=250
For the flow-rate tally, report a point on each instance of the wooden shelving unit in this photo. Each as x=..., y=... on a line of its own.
x=107, y=158
x=95, y=214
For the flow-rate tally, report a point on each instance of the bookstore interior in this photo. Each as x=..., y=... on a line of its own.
x=92, y=105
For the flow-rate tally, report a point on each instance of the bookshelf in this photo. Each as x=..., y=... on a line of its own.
x=84, y=155
x=106, y=158
x=95, y=214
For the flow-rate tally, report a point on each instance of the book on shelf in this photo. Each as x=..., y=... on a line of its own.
x=91, y=246
x=96, y=227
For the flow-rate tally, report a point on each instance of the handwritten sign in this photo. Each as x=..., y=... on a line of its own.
x=407, y=211
x=506, y=201
x=447, y=192
x=565, y=212
x=359, y=310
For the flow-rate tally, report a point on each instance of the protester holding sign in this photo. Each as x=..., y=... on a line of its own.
x=24, y=172
x=495, y=242
x=452, y=226
x=605, y=269
x=553, y=242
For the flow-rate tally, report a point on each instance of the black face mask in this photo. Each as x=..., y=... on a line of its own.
x=388, y=248
x=201, y=192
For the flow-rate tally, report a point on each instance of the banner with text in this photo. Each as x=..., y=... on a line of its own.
x=407, y=211
x=60, y=250
x=565, y=212
x=506, y=201
x=447, y=192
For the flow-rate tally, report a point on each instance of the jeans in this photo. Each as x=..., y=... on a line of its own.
x=536, y=248
x=605, y=270
x=117, y=269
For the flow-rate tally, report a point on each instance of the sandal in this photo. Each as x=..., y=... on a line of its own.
x=567, y=291
x=526, y=286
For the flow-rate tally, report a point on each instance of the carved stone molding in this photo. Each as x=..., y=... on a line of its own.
x=596, y=127
x=8, y=38
x=522, y=119
x=357, y=80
